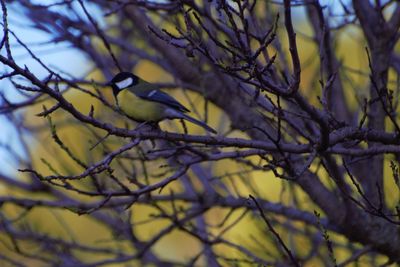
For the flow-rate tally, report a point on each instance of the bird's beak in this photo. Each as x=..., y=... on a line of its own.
x=108, y=83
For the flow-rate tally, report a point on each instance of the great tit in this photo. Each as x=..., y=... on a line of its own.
x=145, y=102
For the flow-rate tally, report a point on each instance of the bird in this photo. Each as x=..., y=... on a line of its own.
x=145, y=102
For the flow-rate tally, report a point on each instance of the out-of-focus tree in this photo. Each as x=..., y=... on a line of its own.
x=304, y=168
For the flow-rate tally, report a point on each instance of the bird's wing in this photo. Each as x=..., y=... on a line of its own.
x=161, y=97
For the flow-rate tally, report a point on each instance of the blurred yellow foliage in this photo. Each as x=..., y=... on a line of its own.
x=68, y=225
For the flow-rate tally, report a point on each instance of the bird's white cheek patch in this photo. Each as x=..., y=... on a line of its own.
x=125, y=83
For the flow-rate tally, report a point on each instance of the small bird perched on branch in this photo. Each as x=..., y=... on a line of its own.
x=145, y=102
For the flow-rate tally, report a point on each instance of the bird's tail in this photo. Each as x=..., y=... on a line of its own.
x=175, y=114
x=199, y=123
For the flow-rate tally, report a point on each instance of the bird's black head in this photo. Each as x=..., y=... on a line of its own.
x=123, y=80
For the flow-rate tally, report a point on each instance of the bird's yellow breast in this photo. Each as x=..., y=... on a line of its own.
x=140, y=109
